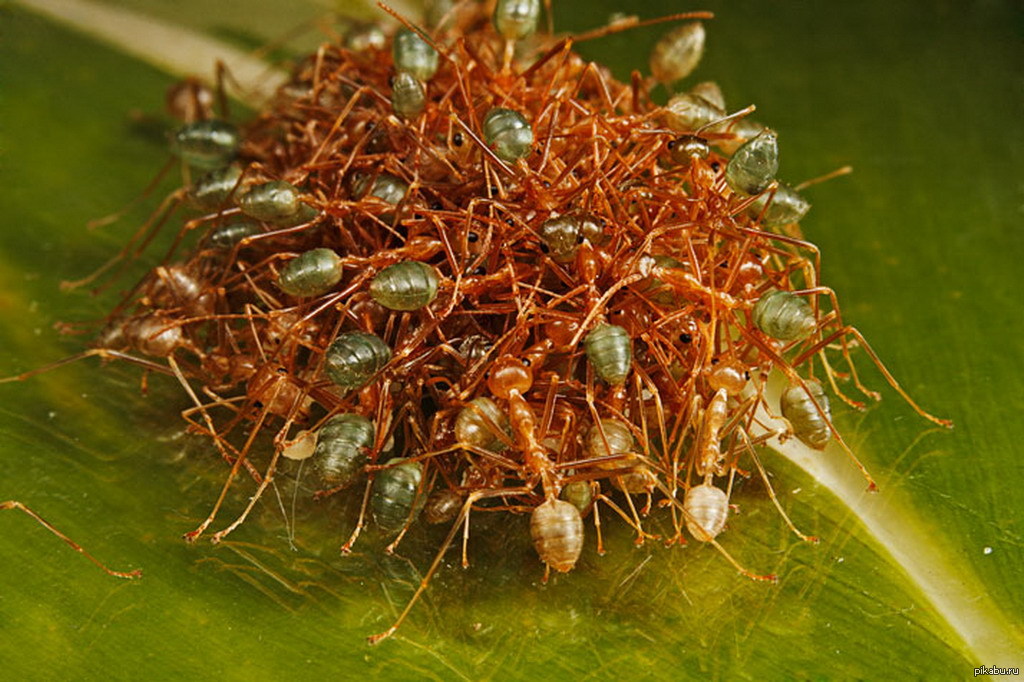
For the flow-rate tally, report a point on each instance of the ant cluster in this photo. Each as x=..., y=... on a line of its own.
x=474, y=271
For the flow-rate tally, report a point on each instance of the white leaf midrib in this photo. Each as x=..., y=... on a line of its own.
x=952, y=589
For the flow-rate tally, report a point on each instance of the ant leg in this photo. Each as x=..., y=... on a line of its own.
x=268, y=477
x=210, y=429
x=436, y=563
x=138, y=242
x=413, y=510
x=104, y=353
x=771, y=492
x=839, y=172
x=193, y=535
x=631, y=22
x=791, y=374
x=844, y=347
x=881, y=367
x=641, y=534
x=831, y=374
x=465, y=543
x=768, y=577
x=597, y=525
x=120, y=213
x=14, y=504
x=222, y=75
x=361, y=521
x=843, y=342
x=632, y=521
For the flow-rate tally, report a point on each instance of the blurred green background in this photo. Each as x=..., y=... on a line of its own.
x=923, y=243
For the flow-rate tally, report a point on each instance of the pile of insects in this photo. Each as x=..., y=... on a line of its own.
x=462, y=267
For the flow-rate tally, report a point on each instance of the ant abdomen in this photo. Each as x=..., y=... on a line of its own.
x=408, y=98
x=228, y=235
x=206, y=144
x=508, y=133
x=413, y=55
x=754, y=165
x=384, y=186
x=516, y=19
x=212, y=191
x=409, y=285
x=808, y=412
x=480, y=423
x=563, y=234
x=396, y=498
x=342, y=448
x=354, y=358
x=276, y=202
x=677, y=54
x=557, y=531
x=785, y=206
x=611, y=438
x=579, y=494
x=707, y=509
x=610, y=352
x=442, y=506
x=311, y=273
x=784, y=315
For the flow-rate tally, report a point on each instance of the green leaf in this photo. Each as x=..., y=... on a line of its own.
x=922, y=244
